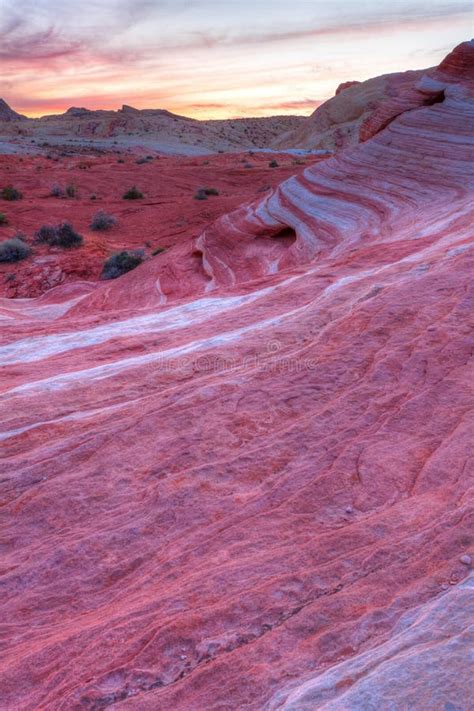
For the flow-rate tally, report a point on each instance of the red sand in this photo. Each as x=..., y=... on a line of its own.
x=167, y=215
x=240, y=476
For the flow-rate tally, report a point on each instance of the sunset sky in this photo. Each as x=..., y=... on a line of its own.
x=213, y=58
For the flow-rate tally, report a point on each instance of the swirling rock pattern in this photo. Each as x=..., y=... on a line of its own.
x=241, y=479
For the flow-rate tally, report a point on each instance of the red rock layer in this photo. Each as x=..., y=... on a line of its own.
x=240, y=479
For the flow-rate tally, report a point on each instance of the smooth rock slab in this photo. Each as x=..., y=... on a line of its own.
x=240, y=467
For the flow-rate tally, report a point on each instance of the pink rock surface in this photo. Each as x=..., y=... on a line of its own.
x=240, y=478
x=336, y=123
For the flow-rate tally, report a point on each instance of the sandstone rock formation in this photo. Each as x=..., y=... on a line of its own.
x=336, y=123
x=7, y=114
x=149, y=128
x=239, y=477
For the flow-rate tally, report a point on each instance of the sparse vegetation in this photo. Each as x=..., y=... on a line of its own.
x=3, y=219
x=102, y=221
x=133, y=194
x=120, y=263
x=10, y=193
x=158, y=250
x=62, y=235
x=57, y=191
x=71, y=191
x=273, y=164
x=14, y=250
x=203, y=193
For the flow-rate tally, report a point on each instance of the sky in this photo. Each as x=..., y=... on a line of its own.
x=213, y=58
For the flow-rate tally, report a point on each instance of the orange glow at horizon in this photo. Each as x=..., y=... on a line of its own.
x=199, y=61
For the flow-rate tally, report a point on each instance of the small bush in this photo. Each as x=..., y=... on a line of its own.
x=158, y=250
x=120, y=263
x=211, y=191
x=120, y=160
x=71, y=191
x=3, y=219
x=10, y=193
x=133, y=194
x=46, y=234
x=62, y=235
x=57, y=191
x=200, y=194
x=102, y=221
x=273, y=164
x=141, y=161
x=14, y=250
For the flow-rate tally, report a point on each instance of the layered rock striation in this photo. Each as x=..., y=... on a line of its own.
x=240, y=477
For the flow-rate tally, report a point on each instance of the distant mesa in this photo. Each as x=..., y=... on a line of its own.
x=7, y=114
x=129, y=109
x=78, y=111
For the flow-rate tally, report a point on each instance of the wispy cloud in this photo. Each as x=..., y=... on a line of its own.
x=201, y=56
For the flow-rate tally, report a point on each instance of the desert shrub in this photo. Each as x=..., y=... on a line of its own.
x=93, y=196
x=200, y=194
x=46, y=234
x=141, y=161
x=71, y=191
x=273, y=164
x=14, y=250
x=102, y=221
x=120, y=263
x=158, y=250
x=10, y=193
x=57, y=191
x=133, y=194
x=120, y=160
x=248, y=165
x=3, y=219
x=62, y=235
x=211, y=191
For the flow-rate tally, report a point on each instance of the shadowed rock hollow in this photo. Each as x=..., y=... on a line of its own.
x=239, y=477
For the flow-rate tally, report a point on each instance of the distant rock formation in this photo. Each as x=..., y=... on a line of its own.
x=345, y=85
x=158, y=129
x=7, y=114
x=129, y=109
x=78, y=111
